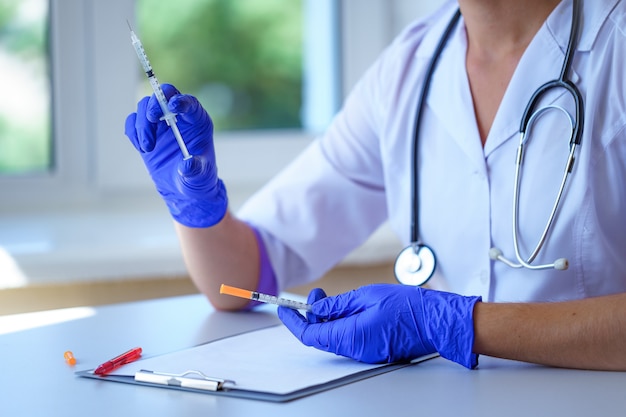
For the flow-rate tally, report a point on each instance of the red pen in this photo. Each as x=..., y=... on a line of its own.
x=126, y=357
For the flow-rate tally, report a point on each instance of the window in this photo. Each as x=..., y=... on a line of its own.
x=96, y=78
x=98, y=191
x=25, y=134
x=241, y=58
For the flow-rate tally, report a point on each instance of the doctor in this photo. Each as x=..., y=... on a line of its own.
x=455, y=193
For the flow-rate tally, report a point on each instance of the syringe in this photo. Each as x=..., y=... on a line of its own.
x=265, y=298
x=168, y=116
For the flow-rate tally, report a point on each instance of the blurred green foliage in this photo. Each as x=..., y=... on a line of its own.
x=25, y=134
x=241, y=58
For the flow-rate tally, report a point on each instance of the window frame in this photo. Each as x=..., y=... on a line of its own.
x=94, y=80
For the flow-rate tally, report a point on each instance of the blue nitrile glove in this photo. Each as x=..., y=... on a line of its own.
x=314, y=295
x=194, y=194
x=389, y=323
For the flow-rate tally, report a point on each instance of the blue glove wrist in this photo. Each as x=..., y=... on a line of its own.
x=449, y=320
x=201, y=212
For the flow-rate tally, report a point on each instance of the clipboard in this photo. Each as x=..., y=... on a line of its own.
x=268, y=364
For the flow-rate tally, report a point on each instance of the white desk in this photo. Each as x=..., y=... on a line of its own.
x=36, y=381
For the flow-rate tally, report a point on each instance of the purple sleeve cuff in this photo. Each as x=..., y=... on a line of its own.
x=267, y=280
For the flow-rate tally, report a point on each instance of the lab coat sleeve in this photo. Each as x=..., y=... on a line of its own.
x=310, y=217
x=329, y=200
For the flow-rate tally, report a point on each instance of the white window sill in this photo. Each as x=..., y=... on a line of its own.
x=121, y=238
x=114, y=239
x=131, y=235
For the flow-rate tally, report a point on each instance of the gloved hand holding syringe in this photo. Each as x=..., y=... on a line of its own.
x=190, y=186
x=168, y=116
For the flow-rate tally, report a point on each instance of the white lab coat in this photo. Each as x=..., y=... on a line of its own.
x=331, y=198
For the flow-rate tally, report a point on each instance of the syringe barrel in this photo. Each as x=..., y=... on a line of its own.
x=283, y=302
x=160, y=96
x=141, y=54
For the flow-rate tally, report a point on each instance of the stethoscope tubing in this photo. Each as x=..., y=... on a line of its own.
x=527, y=263
x=576, y=124
x=409, y=267
x=530, y=113
x=542, y=91
x=415, y=235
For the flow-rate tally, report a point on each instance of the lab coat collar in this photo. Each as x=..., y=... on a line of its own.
x=540, y=63
x=594, y=15
x=439, y=21
x=450, y=99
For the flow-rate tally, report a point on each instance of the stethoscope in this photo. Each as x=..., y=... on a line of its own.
x=416, y=263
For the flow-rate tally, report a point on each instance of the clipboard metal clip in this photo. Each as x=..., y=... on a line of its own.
x=188, y=379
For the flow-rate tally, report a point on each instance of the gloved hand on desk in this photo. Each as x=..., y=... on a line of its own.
x=194, y=194
x=388, y=323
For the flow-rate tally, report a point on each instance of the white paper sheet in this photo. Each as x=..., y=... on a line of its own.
x=269, y=360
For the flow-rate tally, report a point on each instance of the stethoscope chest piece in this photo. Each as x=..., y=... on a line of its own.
x=415, y=265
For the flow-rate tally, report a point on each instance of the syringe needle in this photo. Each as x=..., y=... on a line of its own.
x=168, y=116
